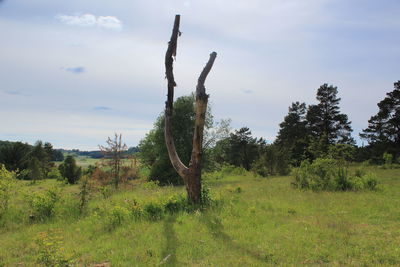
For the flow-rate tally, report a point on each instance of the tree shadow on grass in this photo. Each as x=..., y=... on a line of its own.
x=216, y=229
x=168, y=255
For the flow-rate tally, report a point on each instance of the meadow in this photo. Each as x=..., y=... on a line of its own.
x=252, y=221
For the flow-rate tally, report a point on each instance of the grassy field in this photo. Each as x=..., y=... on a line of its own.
x=257, y=222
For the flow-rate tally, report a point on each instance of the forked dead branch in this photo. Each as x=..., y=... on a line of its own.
x=191, y=174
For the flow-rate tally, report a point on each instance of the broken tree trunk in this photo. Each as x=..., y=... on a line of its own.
x=191, y=175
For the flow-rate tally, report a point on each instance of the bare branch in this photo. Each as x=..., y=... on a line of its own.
x=169, y=60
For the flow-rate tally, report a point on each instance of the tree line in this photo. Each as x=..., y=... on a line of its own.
x=307, y=132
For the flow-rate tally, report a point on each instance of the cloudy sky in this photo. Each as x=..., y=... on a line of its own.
x=74, y=72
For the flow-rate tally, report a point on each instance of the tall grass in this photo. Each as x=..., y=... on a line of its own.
x=257, y=222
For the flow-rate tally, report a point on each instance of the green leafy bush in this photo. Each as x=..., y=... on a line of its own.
x=225, y=171
x=42, y=204
x=55, y=173
x=115, y=216
x=50, y=252
x=176, y=203
x=154, y=210
x=330, y=175
x=7, y=180
x=135, y=208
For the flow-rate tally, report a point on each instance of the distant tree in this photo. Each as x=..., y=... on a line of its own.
x=383, y=131
x=325, y=124
x=292, y=137
x=40, y=160
x=14, y=155
x=57, y=155
x=114, y=154
x=240, y=149
x=153, y=151
x=69, y=170
x=273, y=160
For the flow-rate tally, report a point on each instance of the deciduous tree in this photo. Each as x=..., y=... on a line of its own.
x=113, y=153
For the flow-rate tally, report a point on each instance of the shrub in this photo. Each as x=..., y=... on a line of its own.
x=42, y=204
x=84, y=192
x=154, y=210
x=54, y=173
x=100, y=176
x=105, y=191
x=115, y=217
x=135, y=209
x=50, y=251
x=224, y=171
x=328, y=174
x=7, y=180
x=176, y=203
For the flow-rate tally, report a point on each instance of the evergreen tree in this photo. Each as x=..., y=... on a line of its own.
x=69, y=170
x=325, y=124
x=292, y=135
x=383, y=131
x=240, y=149
x=14, y=155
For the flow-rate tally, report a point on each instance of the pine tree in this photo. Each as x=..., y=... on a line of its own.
x=383, y=131
x=292, y=135
x=326, y=125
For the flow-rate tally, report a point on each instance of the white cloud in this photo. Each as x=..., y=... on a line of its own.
x=90, y=20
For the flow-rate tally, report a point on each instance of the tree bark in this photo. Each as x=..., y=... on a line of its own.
x=191, y=175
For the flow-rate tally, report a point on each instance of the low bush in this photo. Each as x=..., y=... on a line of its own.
x=55, y=173
x=329, y=174
x=42, y=204
x=50, y=251
x=225, y=171
x=154, y=210
x=176, y=203
x=115, y=216
x=7, y=180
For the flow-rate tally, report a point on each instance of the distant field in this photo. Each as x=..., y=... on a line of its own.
x=84, y=161
x=260, y=221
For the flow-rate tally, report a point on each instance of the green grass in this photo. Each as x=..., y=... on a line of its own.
x=265, y=222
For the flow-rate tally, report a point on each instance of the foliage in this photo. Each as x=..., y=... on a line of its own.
x=330, y=175
x=383, y=133
x=254, y=214
x=154, y=210
x=272, y=161
x=55, y=173
x=153, y=151
x=70, y=170
x=50, y=251
x=42, y=204
x=14, y=155
x=224, y=171
x=325, y=121
x=84, y=192
x=105, y=191
x=113, y=153
x=100, y=176
x=342, y=152
x=115, y=216
x=240, y=149
x=292, y=136
x=7, y=181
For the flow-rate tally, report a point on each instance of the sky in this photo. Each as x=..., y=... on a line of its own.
x=75, y=72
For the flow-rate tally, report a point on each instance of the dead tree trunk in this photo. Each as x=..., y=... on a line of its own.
x=191, y=175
